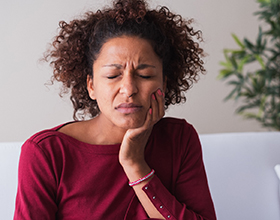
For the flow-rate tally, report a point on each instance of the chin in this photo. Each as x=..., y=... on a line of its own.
x=131, y=124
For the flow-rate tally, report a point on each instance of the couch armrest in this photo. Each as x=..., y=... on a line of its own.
x=9, y=157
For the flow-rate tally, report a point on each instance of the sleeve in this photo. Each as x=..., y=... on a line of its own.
x=191, y=199
x=36, y=185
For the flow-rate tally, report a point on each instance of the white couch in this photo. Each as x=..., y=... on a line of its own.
x=240, y=170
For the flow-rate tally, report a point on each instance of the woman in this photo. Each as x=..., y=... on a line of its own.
x=124, y=66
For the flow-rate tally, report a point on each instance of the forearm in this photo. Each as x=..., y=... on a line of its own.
x=160, y=203
x=135, y=172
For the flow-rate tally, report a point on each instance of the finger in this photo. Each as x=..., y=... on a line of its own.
x=155, y=109
x=153, y=115
x=148, y=120
x=160, y=99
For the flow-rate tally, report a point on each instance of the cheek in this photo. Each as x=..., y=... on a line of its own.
x=102, y=97
x=149, y=90
x=104, y=104
x=154, y=87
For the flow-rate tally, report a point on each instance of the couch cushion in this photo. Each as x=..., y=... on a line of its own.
x=240, y=170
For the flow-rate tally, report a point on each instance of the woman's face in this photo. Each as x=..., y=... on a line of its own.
x=125, y=75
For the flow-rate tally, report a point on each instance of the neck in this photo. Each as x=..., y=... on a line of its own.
x=104, y=132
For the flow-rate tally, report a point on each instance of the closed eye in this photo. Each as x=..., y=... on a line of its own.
x=112, y=77
x=145, y=77
x=144, y=68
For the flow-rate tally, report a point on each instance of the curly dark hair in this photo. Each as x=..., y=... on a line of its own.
x=78, y=44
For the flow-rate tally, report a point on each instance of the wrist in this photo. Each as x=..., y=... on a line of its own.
x=135, y=172
x=132, y=162
x=143, y=179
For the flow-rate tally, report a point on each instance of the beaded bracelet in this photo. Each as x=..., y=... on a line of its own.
x=142, y=179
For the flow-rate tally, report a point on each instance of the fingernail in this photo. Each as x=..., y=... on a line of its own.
x=150, y=111
x=153, y=97
x=159, y=92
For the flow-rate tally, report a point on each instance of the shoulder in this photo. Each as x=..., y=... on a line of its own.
x=46, y=139
x=175, y=132
x=46, y=133
x=174, y=124
x=171, y=120
x=174, y=140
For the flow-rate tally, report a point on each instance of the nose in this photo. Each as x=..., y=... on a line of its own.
x=128, y=85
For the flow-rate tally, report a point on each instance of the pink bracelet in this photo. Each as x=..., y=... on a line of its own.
x=142, y=179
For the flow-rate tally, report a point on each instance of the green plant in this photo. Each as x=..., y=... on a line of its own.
x=254, y=69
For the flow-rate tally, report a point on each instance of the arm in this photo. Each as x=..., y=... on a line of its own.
x=191, y=198
x=36, y=185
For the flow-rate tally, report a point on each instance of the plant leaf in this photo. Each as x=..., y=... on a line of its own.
x=260, y=60
x=236, y=39
x=249, y=45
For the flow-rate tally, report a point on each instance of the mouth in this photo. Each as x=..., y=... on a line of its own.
x=128, y=108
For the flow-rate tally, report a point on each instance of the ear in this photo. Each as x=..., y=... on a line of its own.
x=90, y=87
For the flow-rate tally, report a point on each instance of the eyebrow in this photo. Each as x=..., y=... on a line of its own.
x=118, y=66
x=144, y=66
x=139, y=67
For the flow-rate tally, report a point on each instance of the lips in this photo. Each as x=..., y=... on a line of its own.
x=128, y=108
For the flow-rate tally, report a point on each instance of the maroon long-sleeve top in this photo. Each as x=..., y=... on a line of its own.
x=61, y=178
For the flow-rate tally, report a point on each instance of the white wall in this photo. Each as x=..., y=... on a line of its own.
x=28, y=106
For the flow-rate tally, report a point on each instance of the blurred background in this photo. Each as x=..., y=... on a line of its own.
x=29, y=105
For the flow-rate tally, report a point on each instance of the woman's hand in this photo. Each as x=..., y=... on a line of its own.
x=134, y=141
